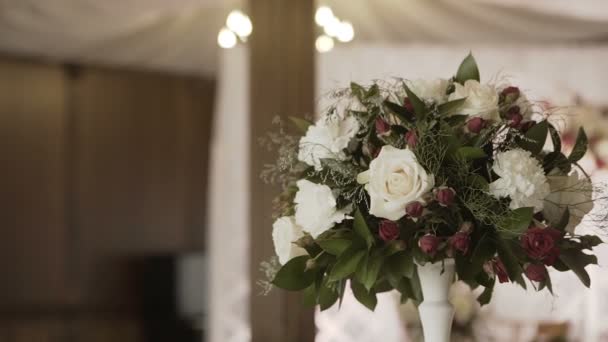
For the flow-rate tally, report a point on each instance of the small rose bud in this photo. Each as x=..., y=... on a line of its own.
x=514, y=116
x=460, y=242
x=411, y=138
x=414, y=209
x=475, y=125
x=408, y=105
x=382, y=127
x=536, y=272
x=511, y=94
x=500, y=271
x=445, y=196
x=429, y=244
x=466, y=227
x=388, y=230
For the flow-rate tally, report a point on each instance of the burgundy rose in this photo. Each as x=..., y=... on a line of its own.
x=536, y=272
x=510, y=93
x=445, y=196
x=540, y=243
x=552, y=257
x=514, y=116
x=429, y=244
x=388, y=230
x=460, y=242
x=414, y=209
x=408, y=105
x=475, y=125
x=382, y=127
x=411, y=138
x=500, y=271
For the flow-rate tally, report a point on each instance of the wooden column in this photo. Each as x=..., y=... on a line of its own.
x=282, y=83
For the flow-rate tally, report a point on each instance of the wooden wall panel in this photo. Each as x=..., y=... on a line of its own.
x=281, y=83
x=33, y=232
x=139, y=175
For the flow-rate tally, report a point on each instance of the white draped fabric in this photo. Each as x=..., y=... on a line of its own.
x=180, y=35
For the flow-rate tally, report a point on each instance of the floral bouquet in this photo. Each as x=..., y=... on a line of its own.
x=400, y=174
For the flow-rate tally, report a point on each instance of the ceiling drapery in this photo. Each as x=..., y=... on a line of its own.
x=180, y=35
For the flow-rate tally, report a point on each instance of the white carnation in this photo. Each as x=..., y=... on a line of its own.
x=330, y=135
x=568, y=192
x=394, y=179
x=432, y=90
x=316, y=210
x=285, y=232
x=522, y=179
x=481, y=100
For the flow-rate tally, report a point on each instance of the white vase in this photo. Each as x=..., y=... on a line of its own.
x=436, y=312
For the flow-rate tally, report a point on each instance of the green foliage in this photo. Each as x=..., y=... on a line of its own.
x=400, y=111
x=362, y=229
x=365, y=297
x=294, y=275
x=576, y=260
x=450, y=107
x=469, y=152
x=419, y=107
x=535, y=138
x=467, y=70
x=334, y=246
x=516, y=222
x=346, y=264
x=580, y=147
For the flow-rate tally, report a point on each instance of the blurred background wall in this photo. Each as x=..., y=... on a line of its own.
x=103, y=174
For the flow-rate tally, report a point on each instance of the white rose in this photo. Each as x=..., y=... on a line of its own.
x=568, y=192
x=316, y=210
x=328, y=138
x=482, y=100
x=522, y=179
x=285, y=232
x=394, y=179
x=432, y=90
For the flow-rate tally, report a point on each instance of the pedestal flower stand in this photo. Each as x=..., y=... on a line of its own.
x=436, y=312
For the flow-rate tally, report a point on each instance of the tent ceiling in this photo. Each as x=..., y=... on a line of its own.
x=180, y=35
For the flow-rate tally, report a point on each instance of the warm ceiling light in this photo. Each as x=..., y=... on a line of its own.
x=346, y=32
x=324, y=43
x=332, y=27
x=323, y=15
x=239, y=23
x=226, y=38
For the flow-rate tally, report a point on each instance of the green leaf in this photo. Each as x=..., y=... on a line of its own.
x=301, y=124
x=580, y=147
x=368, y=299
x=328, y=295
x=309, y=295
x=535, y=138
x=456, y=120
x=373, y=266
x=576, y=260
x=347, y=264
x=563, y=221
x=450, y=106
x=334, y=246
x=467, y=70
x=415, y=285
x=485, y=297
x=362, y=229
x=402, y=264
x=555, y=138
x=556, y=160
x=470, y=153
x=293, y=275
x=590, y=241
x=358, y=91
x=510, y=261
x=399, y=111
x=419, y=106
x=516, y=222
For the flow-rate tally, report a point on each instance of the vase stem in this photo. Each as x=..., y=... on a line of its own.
x=436, y=312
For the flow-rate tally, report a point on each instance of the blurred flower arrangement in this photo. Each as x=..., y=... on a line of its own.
x=403, y=173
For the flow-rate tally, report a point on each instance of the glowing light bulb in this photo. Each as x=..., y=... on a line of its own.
x=324, y=44
x=332, y=27
x=226, y=38
x=346, y=32
x=323, y=15
x=239, y=23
